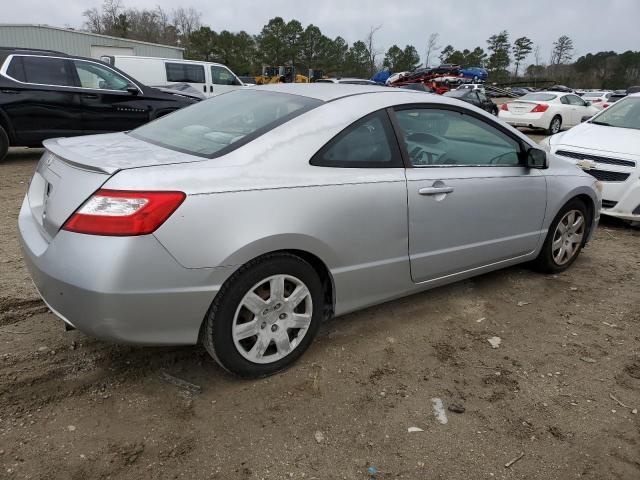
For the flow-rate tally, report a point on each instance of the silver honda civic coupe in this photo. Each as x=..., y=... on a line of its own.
x=243, y=221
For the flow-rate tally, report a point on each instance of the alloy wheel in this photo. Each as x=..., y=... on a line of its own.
x=567, y=237
x=555, y=125
x=272, y=318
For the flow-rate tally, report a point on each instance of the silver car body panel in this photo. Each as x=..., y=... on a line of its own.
x=377, y=237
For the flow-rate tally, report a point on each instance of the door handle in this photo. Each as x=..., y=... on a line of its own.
x=204, y=88
x=89, y=95
x=210, y=88
x=434, y=190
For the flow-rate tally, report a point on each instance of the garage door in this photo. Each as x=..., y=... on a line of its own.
x=98, y=51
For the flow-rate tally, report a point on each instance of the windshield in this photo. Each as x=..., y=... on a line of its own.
x=539, y=97
x=223, y=123
x=593, y=94
x=622, y=114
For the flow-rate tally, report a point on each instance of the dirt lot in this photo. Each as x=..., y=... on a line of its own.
x=560, y=389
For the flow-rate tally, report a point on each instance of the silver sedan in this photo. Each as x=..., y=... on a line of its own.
x=243, y=221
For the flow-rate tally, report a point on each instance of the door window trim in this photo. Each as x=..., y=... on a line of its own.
x=434, y=106
x=397, y=159
x=7, y=62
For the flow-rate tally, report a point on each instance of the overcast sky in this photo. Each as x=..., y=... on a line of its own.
x=593, y=25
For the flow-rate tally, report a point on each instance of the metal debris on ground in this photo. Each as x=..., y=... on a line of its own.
x=178, y=382
x=438, y=411
x=513, y=460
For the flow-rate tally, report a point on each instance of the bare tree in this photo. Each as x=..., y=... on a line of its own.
x=186, y=20
x=371, y=49
x=562, y=50
x=93, y=20
x=432, y=47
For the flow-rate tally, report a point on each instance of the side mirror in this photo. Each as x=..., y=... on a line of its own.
x=587, y=104
x=585, y=118
x=132, y=89
x=536, y=158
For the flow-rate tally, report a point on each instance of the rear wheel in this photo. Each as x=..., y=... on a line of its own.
x=265, y=316
x=555, y=125
x=4, y=143
x=565, y=238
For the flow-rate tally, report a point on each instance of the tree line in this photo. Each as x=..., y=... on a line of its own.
x=283, y=42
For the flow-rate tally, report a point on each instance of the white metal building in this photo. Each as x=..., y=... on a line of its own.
x=76, y=42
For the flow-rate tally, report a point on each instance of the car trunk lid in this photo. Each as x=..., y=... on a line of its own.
x=520, y=107
x=108, y=153
x=57, y=189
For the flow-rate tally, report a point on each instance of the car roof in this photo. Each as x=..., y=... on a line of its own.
x=31, y=51
x=324, y=91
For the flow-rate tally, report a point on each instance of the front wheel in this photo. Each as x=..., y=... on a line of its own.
x=265, y=316
x=565, y=238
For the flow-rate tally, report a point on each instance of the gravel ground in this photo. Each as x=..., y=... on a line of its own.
x=558, y=395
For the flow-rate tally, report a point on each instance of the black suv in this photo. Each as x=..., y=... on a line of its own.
x=45, y=94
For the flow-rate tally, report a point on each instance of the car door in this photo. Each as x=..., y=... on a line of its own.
x=107, y=103
x=579, y=108
x=43, y=102
x=471, y=201
x=187, y=72
x=222, y=80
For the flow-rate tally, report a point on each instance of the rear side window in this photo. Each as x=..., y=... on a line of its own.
x=184, y=72
x=367, y=143
x=222, y=76
x=41, y=70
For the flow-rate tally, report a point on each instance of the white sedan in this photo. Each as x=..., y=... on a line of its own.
x=608, y=147
x=597, y=98
x=551, y=111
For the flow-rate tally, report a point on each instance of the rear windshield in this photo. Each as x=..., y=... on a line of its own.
x=593, y=94
x=457, y=93
x=539, y=97
x=223, y=123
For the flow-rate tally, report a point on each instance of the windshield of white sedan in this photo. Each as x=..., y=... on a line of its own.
x=622, y=114
x=223, y=123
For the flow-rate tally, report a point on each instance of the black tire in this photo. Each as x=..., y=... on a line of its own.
x=555, y=126
x=216, y=333
x=4, y=143
x=545, y=261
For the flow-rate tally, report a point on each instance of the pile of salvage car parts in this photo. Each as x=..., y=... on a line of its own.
x=440, y=79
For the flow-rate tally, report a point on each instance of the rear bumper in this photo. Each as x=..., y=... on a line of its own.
x=527, y=120
x=122, y=289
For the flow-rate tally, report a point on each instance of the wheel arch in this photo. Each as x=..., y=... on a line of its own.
x=587, y=197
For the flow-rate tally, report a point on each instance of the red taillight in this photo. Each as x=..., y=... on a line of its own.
x=123, y=213
x=504, y=107
x=605, y=105
x=540, y=108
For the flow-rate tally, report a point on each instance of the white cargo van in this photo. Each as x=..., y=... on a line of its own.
x=209, y=78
